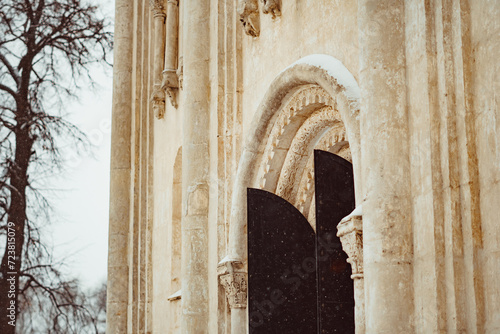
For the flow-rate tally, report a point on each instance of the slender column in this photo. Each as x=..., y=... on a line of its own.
x=120, y=197
x=170, y=78
x=196, y=164
x=387, y=226
x=158, y=96
x=350, y=232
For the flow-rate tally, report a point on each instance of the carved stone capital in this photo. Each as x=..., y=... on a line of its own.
x=350, y=232
x=158, y=99
x=157, y=8
x=234, y=280
x=248, y=11
x=271, y=7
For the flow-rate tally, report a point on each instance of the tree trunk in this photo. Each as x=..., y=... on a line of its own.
x=11, y=260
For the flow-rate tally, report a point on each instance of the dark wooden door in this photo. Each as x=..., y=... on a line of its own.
x=281, y=243
x=334, y=191
x=299, y=281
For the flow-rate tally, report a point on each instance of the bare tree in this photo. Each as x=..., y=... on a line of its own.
x=67, y=310
x=46, y=47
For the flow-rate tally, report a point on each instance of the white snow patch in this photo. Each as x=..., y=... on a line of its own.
x=357, y=212
x=176, y=295
x=227, y=259
x=336, y=70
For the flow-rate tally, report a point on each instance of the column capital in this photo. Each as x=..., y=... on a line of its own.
x=157, y=8
x=233, y=278
x=350, y=232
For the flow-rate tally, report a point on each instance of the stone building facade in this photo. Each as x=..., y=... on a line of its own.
x=212, y=97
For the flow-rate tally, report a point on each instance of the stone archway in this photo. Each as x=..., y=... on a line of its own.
x=314, y=103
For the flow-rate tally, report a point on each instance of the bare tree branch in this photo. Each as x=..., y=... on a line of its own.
x=46, y=47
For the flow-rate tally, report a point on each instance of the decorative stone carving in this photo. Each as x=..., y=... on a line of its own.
x=157, y=8
x=234, y=280
x=282, y=133
x=334, y=141
x=158, y=99
x=248, y=11
x=272, y=7
x=302, y=146
x=350, y=232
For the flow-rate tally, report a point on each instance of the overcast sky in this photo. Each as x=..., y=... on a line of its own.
x=81, y=202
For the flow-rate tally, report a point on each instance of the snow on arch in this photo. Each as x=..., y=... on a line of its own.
x=324, y=71
x=336, y=70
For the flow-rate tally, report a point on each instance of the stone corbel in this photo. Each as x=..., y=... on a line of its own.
x=233, y=278
x=272, y=7
x=158, y=99
x=170, y=84
x=248, y=10
x=350, y=232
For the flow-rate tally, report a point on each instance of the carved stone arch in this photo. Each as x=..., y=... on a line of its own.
x=314, y=83
x=305, y=87
x=309, y=119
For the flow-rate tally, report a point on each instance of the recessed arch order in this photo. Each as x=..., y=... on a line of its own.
x=319, y=73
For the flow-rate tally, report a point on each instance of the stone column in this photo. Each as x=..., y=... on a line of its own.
x=233, y=277
x=120, y=196
x=170, y=78
x=158, y=97
x=387, y=226
x=196, y=164
x=350, y=232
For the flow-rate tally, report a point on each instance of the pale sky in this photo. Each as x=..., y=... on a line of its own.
x=81, y=203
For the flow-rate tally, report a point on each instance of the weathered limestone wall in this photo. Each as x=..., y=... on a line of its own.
x=387, y=230
x=428, y=172
x=448, y=283
x=304, y=28
x=121, y=163
x=485, y=78
x=196, y=162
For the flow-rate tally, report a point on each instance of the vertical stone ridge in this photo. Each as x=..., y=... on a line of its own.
x=387, y=223
x=196, y=165
x=120, y=174
x=469, y=171
x=137, y=97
